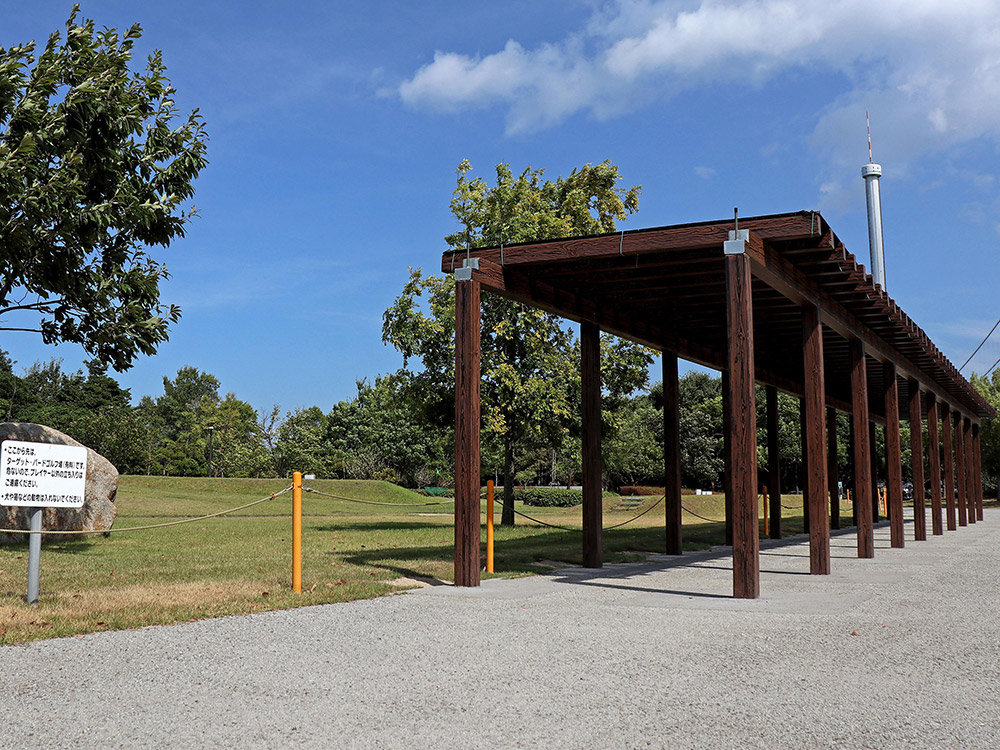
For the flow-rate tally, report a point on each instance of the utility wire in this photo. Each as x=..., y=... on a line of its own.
x=992, y=367
x=981, y=346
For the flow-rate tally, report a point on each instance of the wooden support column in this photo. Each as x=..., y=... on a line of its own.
x=743, y=438
x=832, y=469
x=773, y=462
x=727, y=465
x=467, y=407
x=672, y=453
x=804, y=452
x=590, y=412
x=917, y=461
x=949, y=469
x=873, y=439
x=815, y=412
x=960, y=469
x=893, y=455
x=850, y=462
x=934, y=464
x=970, y=482
x=862, y=451
x=977, y=470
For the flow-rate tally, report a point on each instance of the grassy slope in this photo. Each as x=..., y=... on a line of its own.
x=241, y=563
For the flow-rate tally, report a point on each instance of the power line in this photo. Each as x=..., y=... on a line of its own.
x=987, y=373
x=981, y=346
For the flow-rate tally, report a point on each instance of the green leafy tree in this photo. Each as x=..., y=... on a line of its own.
x=989, y=432
x=530, y=358
x=94, y=168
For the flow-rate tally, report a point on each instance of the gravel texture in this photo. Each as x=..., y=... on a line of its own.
x=650, y=655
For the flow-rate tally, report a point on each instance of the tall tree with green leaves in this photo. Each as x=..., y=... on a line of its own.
x=530, y=358
x=95, y=167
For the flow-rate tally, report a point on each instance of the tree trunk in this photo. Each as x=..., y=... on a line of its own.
x=507, y=517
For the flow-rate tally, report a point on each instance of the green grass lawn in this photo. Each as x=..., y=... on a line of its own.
x=242, y=563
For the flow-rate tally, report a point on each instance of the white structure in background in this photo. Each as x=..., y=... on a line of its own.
x=871, y=173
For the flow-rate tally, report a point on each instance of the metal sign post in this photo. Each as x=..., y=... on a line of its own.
x=37, y=476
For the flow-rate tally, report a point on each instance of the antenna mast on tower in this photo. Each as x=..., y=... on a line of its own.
x=871, y=172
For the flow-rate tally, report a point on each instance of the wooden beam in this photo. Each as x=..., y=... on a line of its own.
x=960, y=469
x=727, y=464
x=917, y=462
x=951, y=513
x=467, y=408
x=862, y=448
x=978, y=470
x=832, y=469
x=804, y=451
x=590, y=410
x=873, y=439
x=773, y=462
x=893, y=455
x=672, y=454
x=934, y=464
x=970, y=482
x=743, y=440
x=815, y=431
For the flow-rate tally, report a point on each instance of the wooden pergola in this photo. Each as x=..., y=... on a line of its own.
x=776, y=300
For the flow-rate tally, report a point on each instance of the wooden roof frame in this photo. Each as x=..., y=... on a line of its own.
x=796, y=255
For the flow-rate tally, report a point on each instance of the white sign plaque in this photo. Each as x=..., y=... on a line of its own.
x=42, y=475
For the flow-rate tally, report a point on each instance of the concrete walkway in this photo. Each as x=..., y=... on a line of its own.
x=899, y=651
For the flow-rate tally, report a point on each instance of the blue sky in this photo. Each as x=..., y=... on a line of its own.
x=336, y=129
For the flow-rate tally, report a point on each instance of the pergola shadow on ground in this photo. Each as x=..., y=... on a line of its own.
x=613, y=576
x=776, y=300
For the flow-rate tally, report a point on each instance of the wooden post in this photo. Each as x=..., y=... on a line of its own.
x=977, y=470
x=672, y=454
x=727, y=467
x=816, y=459
x=743, y=440
x=804, y=451
x=893, y=455
x=960, y=469
x=970, y=481
x=873, y=439
x=850, y=462
x=949, y=469
x=832, y=470
x=590, y=386
x=917, y=461
x=862, y=450
x=934, y=464
x=773, y=462
x=467, y=406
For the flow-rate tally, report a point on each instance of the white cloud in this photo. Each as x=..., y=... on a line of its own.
x=704, y=173
x=929, y=70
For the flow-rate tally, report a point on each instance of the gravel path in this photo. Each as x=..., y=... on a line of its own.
x=653, y=655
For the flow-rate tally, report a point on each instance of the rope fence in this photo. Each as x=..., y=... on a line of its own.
x=152, y=525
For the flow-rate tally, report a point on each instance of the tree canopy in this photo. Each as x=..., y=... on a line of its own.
x=95, y=167
x=530, y=357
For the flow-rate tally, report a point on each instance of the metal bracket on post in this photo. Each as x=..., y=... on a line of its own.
x=737, y=242
x=465, y=272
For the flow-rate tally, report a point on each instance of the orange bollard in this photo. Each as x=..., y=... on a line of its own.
x=297, y=532
x=489, y=526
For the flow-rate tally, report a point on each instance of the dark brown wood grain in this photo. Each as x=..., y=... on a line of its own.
x=816, y=498
x=970, y=474
x=934, y=464
x=773, y=463
x=590, y=413
x=960, y=469
x=804, y=451
x=893, y=455
x=951, y=512
x=977, y=452
x=743, y=434
x=862, y=451
x=467, y=415
x=727, y=467
x=917, y=461
x=672, y=454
